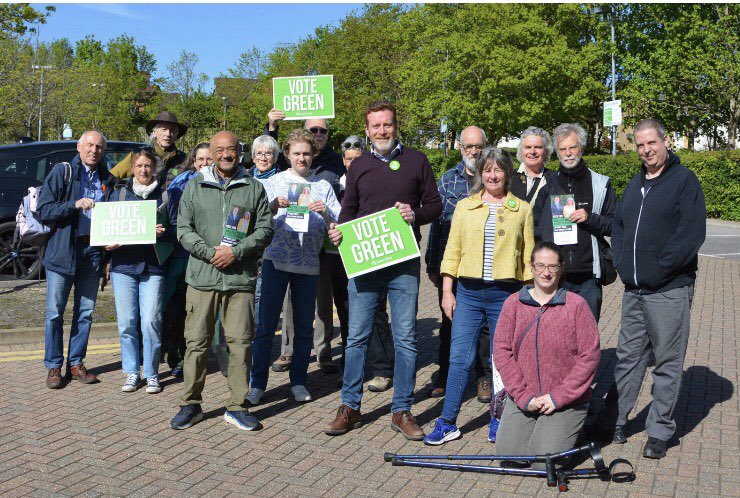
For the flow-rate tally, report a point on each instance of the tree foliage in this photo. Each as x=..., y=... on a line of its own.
x=18, y=18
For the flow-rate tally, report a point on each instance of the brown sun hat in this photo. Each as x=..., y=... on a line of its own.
x=166, y=117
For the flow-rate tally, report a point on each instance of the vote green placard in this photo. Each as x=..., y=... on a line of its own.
x=304, y=97
x=125, y=223
x=376, y=241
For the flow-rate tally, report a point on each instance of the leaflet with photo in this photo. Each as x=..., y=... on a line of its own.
x=565, y=232
x=297, y=214
x=236, y=226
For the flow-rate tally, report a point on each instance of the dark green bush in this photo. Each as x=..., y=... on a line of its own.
x=718, y=172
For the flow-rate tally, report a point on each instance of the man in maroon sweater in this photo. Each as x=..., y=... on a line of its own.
x=390, y=175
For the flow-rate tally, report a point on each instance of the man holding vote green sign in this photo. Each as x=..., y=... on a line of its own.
x=391, y=176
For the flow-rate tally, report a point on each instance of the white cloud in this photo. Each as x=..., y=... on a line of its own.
x=116, y=9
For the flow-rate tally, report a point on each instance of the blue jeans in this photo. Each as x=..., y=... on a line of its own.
x=303, y=296
x=139, y=300
x=477, y=302
x=402, y=282
x=58, y=287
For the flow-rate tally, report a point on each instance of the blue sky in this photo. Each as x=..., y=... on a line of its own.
x=217, y=33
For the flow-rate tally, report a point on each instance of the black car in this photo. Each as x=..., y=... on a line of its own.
x=26, y=165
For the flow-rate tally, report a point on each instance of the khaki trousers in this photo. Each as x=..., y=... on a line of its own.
x=237, y=319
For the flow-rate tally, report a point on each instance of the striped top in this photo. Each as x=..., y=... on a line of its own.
x=488, y=241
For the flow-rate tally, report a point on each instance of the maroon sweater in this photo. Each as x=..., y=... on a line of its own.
x=557, y=356
x=373, y=186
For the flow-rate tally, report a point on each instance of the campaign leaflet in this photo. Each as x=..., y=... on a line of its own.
x=296, y=215
x=236, y=226
x=565, y=232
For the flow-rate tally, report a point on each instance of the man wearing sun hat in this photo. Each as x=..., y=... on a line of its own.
x=163, y=130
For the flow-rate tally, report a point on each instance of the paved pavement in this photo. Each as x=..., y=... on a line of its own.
x=96, y=440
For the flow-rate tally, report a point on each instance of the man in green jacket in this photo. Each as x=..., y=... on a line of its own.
x=221, y=274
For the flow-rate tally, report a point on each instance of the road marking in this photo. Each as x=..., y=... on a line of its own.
x=720, y=256
x=94, y=349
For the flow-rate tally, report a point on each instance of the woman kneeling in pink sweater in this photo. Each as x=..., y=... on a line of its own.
x=546, y=348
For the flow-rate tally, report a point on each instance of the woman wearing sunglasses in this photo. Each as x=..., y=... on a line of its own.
x=546, y=348
x=292, y=259
x=490, y=242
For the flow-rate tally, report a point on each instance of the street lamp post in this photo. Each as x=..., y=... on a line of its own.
x=224, y=101
x=99, y=86
x=614, y=87
x=41, y=94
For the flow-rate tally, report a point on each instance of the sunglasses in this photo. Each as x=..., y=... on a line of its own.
x=352, y=145
x=316, y=130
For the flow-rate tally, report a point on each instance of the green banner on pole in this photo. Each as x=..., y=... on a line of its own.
x=304, y=97
x=125, y=223
x=376, y=241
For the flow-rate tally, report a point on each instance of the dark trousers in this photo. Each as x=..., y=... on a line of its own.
x=589, y=288
x=482, y=358
x=381, y=353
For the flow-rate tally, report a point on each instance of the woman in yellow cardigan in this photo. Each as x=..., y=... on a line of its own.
x=488, y=251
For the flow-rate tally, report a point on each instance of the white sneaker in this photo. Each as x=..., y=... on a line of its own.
x=152, y=385
x=301, y=394
x=254, y=396
x=131, y=384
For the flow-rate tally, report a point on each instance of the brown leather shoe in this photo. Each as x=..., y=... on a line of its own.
x=405, y=423
x=54, y=379
x=79, y=372
x=346, y=420
x=484, y=390
x=437, y=392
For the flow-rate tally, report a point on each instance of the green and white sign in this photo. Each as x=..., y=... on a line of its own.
x=125, y=223
x=612, y=113
x=304, y=97
x=376, y=241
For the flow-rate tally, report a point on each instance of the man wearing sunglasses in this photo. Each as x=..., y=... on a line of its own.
x=453, y=187
x=328, y=165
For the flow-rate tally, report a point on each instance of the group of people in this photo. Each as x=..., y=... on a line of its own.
x=517, y=307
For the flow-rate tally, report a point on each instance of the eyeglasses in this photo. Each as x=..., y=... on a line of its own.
x=352, y=145
x=263, y=154
x=468, y=148
x=541, y=267
x=316, y=130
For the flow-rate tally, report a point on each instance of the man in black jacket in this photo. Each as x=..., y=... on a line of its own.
x=658, y=230
x=595, y=202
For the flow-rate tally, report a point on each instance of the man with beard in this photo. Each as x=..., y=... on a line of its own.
x=220, y=275
x=164, y=130
x=533, y=152
x=453, y=187
x=329, y=166
x=596, y=203
x=391, y=175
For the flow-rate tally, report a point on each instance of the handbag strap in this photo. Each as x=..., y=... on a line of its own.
x=536, y=318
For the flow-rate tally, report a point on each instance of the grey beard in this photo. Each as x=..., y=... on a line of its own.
x=578, y=160
x=469, y=164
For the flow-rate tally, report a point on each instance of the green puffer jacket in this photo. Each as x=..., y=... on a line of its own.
x=204, y=208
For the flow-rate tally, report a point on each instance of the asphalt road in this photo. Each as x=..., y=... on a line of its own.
x=723, y=240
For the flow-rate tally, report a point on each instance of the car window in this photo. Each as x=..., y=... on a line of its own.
x=23, y=165
x=114, y=157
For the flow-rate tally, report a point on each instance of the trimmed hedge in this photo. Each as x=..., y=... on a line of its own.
x=718, y=173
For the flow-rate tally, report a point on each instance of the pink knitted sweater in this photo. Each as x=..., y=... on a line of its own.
x=552, y=349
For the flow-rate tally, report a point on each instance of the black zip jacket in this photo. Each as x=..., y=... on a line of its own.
x=656, y=236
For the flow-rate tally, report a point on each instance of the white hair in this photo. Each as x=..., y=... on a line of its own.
x=536, y=132
x=159, y=125
x=266, y=141
x=105, y=140
x=567, y=129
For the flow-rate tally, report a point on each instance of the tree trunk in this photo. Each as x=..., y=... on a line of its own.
x=732, y=126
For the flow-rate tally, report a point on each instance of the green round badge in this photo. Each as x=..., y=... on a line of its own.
x=512, y=203
x=394, y=165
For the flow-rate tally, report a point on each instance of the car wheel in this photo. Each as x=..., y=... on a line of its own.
x=18, y=261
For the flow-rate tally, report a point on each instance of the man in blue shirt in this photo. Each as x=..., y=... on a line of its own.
x=69, y=193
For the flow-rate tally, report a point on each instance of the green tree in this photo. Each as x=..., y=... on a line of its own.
x=18, y=18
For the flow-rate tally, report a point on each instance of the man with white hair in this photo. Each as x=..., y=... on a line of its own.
x=588, y=261
x=533, y=152
x=453, y=187
x=164, y=131
x=69, y=193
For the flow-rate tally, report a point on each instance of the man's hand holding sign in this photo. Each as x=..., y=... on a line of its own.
x=376, y=241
